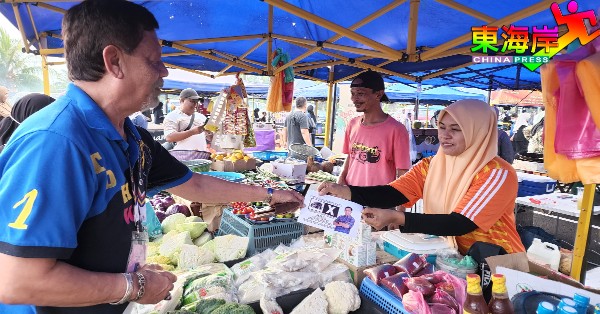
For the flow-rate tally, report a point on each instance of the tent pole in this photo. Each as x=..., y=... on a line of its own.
x=518, y=76
x=270, y=43
x=328, y=117
x=45, y=76
x=392, y=53
x=582, y=235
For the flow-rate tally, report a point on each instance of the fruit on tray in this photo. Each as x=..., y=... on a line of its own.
x=286, y=215
x=241, y=208
x=233, y=156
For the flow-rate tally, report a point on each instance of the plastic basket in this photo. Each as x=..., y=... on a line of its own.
x=302, y=151
x=269, y=155
x=263, y=236
x=387, y=301
x=189, y=154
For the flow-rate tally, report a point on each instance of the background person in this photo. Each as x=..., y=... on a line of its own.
x=467, y=190
x=139, y=119
x=376, y=144
x=179, y=127
x=70, y=249
x=20, y=111
x=312, y=122
x=505, y=148
x=295, y=130
x=4, y=105
x=158, y=113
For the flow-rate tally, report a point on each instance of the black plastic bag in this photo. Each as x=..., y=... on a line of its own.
x=479, y=251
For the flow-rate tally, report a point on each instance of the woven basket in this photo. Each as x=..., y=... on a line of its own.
x=190, y=154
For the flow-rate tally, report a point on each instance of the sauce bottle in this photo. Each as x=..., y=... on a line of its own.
x=474, y=303
x=500, y=303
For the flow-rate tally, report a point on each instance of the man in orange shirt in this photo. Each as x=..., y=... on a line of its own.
x=467, y=190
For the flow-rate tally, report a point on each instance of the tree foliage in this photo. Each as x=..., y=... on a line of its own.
x=18, y=71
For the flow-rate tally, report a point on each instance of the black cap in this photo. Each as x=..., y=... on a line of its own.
x=370, y=79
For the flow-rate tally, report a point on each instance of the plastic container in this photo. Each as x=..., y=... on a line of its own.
x=380, y=296
x=545, y=308
x=229, y=176
x=443, y=262
x=269, y=155
x=544, y=253
x=531, y=184
x=400, y=244
x=263, y=236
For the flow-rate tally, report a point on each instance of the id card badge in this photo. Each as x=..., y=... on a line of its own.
x=137, y=253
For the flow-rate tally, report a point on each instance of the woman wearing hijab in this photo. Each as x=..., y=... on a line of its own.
x=468, y=191
x=20, y=111
x=536, y=141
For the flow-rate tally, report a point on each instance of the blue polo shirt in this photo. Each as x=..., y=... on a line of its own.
x=345, y=220
x=65, y=188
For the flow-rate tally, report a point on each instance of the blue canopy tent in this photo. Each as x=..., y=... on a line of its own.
x=178, y=80
x=427, y=40
x=429, y=94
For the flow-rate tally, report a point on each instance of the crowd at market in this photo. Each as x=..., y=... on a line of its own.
x=76, y=170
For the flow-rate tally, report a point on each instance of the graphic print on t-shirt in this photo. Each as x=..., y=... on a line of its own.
x=364, y=153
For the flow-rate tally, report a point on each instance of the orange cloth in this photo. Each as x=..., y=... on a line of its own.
x=275, y=96
x=489, y=202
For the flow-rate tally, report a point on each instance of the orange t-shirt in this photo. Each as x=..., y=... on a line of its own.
x=489, y=203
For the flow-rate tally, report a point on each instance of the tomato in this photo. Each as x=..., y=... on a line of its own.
x=263, y=219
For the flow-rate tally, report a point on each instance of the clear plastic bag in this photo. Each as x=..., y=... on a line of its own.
x=379, y=272
x=438, y=308
x=411, y=263
x=442, y=297
x=414, y=302
x=419, y=284
x=396, y=284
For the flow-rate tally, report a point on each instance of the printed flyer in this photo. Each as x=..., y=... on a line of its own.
x=331, y=213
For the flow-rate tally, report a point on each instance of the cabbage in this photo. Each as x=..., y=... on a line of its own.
x=201, y=240
x=193, y=219
x=171, y=245
x=178, y=208
x=170, y=222
x=229, y=247
x=192, y=256
x=195, y=228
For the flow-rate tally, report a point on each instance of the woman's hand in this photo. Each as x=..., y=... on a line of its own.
x=379, y=217
x=341, y=191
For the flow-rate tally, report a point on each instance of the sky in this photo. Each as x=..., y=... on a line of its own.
x=5, y=24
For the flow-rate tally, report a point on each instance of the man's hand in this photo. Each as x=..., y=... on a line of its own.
x=200, y=129
x=379, y=217
x=341, y=191
x=280, y=196
x=159, y=283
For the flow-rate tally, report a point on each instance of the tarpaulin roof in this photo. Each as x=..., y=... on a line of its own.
x=428, y=94
x=426, y=40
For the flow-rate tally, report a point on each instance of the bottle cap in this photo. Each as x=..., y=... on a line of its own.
x=473, y=278
x=566, y=302
x=567, y=310
x=581, y=299
x=545, y=308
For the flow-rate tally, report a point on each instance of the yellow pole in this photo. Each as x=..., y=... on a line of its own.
x=583, y=229
x=45, y=75
x=330, y=100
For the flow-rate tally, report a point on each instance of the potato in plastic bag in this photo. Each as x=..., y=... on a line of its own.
x=379, y=272
x=395, y=284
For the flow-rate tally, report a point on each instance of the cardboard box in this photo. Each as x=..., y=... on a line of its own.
x=229, y=166
x=381, y=257
x=525, y=275
x=296, y=171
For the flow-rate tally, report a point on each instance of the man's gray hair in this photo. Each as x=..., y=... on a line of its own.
x=300, y=102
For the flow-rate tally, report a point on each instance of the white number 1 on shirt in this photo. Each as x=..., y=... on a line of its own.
x=20, y=222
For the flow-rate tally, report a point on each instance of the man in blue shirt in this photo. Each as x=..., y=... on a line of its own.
x=74, y=176
x=344, y=223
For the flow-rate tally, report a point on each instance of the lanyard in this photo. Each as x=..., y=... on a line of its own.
x=138, y=190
